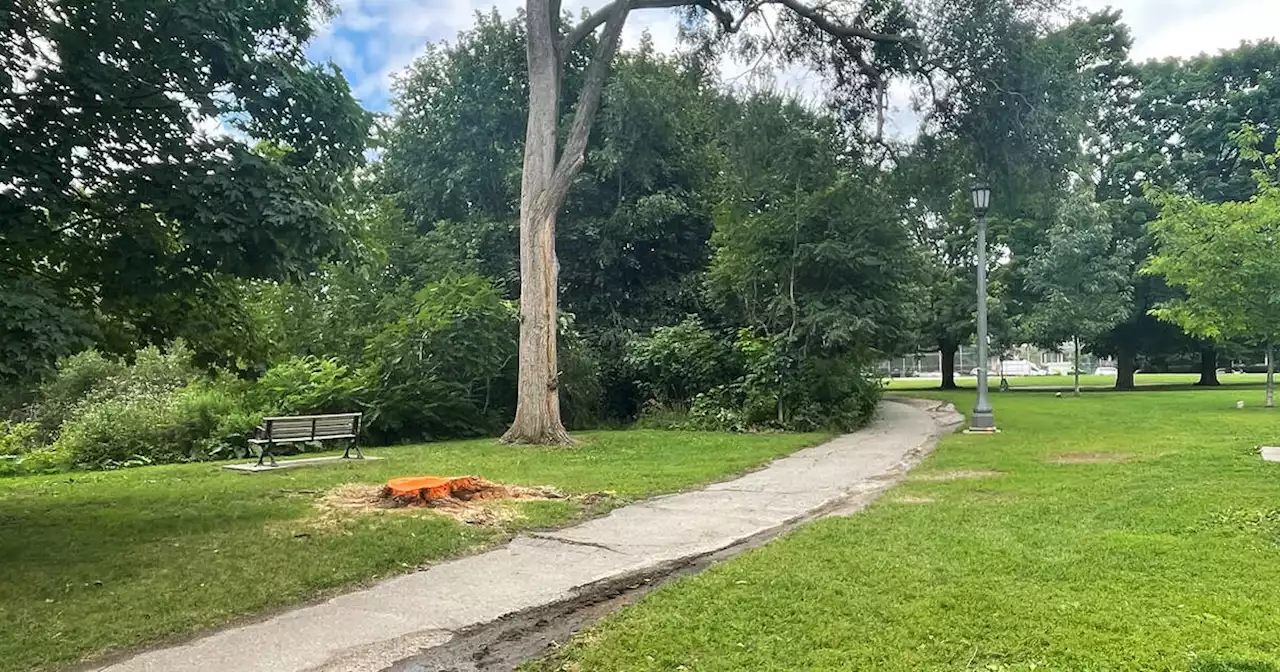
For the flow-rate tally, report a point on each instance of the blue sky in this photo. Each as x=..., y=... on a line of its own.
x=373, y=40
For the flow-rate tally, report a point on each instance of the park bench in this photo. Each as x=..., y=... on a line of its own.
x=305, y=429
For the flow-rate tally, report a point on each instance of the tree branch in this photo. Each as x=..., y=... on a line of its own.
x=588, y=102
x=828, y=26
x=596, y=19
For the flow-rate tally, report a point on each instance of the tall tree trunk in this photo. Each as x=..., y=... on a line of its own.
x=1271, y=376
x=1126, y=366
x=948, y=366
x=1208, y=367
x=1076, y=367
x=538, y=401
x=543, y=188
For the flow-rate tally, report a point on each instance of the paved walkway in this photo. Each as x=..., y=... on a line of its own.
x=373, y=628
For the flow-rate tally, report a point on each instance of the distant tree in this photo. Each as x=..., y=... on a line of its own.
x=1168, y=124
x=1223, y=257
x=124, y=216
x=809, y=256
x=1034, y=92
x=1080, y=278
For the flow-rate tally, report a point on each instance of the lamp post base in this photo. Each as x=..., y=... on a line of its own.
x=983, y=422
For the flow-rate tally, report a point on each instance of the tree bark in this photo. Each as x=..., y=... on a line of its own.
x=1126, y=367
x=538, y=401
x=1208, y=367
x=1271, y=376
x=948, y=367
x=1076, y=366
x=544, y=186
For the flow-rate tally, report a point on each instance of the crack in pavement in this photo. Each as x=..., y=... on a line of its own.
x=573, y=542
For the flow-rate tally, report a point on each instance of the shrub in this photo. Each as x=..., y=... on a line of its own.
x=17, y=438
x=778, y=390
x=674, y=364
x=154, y=423
x=89, y=378
x=77, y=377
x=219, y=415
x=307, y=385
x=581, y=392
x=446, y=370
x=122, y=431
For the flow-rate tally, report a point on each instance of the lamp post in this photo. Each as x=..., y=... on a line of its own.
x=984, y=420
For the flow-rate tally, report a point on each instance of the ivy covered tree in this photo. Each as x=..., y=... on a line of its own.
x=125, y=211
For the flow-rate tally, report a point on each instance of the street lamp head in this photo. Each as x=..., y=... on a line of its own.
x=981, y=193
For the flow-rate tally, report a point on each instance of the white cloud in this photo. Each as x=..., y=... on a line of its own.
x=1183, y=28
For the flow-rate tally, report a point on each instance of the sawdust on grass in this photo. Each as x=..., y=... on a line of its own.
x=491, y=504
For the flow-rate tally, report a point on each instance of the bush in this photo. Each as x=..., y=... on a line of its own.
x=780, y=391
x=17, y=438
x=308, y=385
x=77, y=377
x=674, y=364
x=124, y=431
x=447, y=370
x=581, y=392
x=88, y=378
x=220, y=417
x=150, y=425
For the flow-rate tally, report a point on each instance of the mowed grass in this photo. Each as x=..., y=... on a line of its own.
x=91, y=562
x=1117, y=531
x=1089, y=380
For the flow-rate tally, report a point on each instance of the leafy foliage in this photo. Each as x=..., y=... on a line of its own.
x=124, y=214
x=1080, y=277
x=308, y=385
x=674, y=364
x=447, y=369
x=1221, y=256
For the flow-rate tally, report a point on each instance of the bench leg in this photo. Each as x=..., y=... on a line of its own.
x=355, y=443
x=267, y=451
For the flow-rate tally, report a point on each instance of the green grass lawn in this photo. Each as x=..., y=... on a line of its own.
x=1166, y=560
x=91, y=562
x=1090, y=380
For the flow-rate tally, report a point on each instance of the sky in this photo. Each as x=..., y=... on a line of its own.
x=373, y=40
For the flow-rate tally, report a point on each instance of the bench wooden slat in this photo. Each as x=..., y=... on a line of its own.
x=323, y=437
x=308, y=418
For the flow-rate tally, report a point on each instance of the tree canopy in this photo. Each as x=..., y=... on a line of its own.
x=150, y=153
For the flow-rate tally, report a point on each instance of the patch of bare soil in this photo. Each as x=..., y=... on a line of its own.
x=486, y=503
x=1090, y=458
x=956, y=475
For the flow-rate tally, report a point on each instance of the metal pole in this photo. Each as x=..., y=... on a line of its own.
x=983, y=418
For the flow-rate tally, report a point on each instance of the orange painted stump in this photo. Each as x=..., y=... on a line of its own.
x=430, y=487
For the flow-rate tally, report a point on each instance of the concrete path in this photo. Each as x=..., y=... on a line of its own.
x=399, y=618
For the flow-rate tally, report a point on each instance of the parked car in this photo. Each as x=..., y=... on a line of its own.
x=1105, y=371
